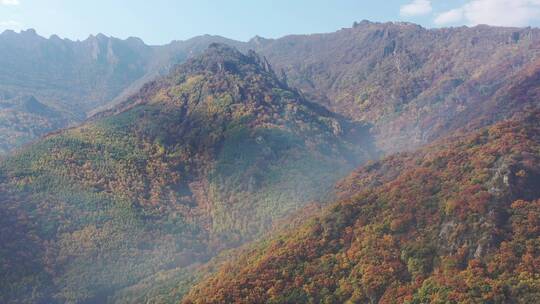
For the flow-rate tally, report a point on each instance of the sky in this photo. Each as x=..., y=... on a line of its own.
x=161, y=21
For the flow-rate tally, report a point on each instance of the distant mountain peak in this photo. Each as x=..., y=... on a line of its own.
x=30, y=32
x=362, y=23
x=259, y=41
x=24, y=36
x=55, y=37
x=8, y=32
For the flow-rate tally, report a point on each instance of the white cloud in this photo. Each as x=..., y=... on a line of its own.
x=450, y=17
x=493, y=12
x=9, y=2
x=416, y=8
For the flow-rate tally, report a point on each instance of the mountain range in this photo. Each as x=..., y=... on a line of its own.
x=413, y=84
x=383, y=163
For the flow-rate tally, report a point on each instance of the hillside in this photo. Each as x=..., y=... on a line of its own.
x=23, y=118
x=163, y=168
x=198, y=161
x=78, y=77
x=413, y=84
x=454, y=222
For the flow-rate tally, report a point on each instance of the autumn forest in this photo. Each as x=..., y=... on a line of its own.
x=381, y=163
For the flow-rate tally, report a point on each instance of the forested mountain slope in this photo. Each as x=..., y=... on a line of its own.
x=413, y=84
x=198, y=161
x=454, y=222
x=24, y=118
x=166, y=174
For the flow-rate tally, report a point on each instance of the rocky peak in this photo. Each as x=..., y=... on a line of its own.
x=259, y=41
x=221, y=58
x=27, y=38
x=29, y=33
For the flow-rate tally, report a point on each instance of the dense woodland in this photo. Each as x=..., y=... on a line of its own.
x=455, y=222
x=197, y=162
x=228, y=180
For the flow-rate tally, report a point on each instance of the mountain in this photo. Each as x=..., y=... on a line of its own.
x=157, y=177
x=454, y=222
x=79, y=77
x=199, y=161
x=413, y=84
